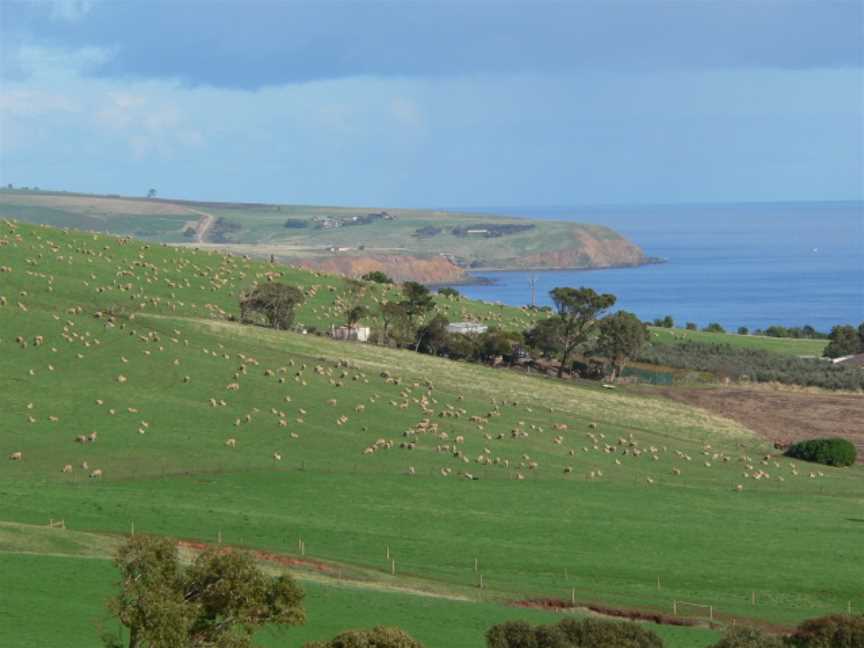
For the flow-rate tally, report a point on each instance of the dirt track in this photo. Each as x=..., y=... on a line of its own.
x=781, y=415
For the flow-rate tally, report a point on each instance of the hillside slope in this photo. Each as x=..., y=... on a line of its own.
x=556, y=489
x=426, y=245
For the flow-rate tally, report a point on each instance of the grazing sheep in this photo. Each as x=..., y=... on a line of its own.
x=67, y=468
x=231, y=442
x=277, y=456
x=16, y=456
x=739, y=488
x=80, y=439
x=92, y=436
x=96, y=473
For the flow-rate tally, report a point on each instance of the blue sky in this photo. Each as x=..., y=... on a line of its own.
x=434, y=103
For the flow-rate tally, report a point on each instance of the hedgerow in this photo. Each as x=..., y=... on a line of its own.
x=831, y=452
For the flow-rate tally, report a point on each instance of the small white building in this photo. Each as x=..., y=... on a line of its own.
x=357, y=333
x=464, y=328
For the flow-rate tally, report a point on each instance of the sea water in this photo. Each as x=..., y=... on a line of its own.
x=750, y=265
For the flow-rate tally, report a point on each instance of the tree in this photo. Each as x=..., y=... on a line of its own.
x=354, y=314
x=151, y=193
x=666, y=322
x=219, y=600
x=691, y=326
x=743, y=330
x=449, y=292
x=417, y=303
x=714, y=327
x=433, y=335
x=861, y=337
x=380, y=637
x=377, y=276
x=578, y=310
x=545, y=337
x=396, y=322
x=843, y=341
x=621, y=338
x=274, y=302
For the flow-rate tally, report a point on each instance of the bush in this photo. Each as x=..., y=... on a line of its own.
x=835, y=631
x=830, y=452
x=594, y=633
x=738, y=637
x=714, y=327
x=380, y=637
x=511, y=634
x=449, y=292
x=691, y=326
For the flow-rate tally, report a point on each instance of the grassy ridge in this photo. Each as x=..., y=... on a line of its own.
x=614, y=521
x=259, y=224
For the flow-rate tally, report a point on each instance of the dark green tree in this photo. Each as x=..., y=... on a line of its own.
x=622, y=336
x=449, y=292
x=274, y=302
x=743, y=330
x=396, y=323
x=861, y=337
x=834, y=631
x=578, y=310
x=433, y=335
x=843, y=341
x=354, y=314
x=714, y=327
x=377, y=276
x=220, y=600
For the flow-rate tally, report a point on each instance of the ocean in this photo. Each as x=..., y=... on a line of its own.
x=750, y=265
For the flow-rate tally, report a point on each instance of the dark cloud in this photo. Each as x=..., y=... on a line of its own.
x=251, y=44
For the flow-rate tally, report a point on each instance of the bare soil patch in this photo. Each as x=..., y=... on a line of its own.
x=781, y=416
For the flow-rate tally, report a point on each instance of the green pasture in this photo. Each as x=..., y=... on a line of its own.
x=786, y=346
x=580, y=491
x=34, y=583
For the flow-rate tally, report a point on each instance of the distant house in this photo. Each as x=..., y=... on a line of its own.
x=464, y=328
x=357, y=333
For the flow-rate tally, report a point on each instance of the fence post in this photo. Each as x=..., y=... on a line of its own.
x=753, y=598
x=219, y=537
x=392, y=567
x=573, y=597
x=476, y=565
x=132, y=530
x=675, y=608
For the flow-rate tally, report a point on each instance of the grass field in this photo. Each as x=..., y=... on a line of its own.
x=602, y=508
x=786, y=346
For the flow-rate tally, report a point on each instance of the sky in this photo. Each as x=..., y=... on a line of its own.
x=428, y=103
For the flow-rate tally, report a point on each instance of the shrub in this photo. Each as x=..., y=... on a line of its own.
x=738, y=637
x=380, y=637
x=377, y=276
x=511, y=634
x=830, y=452
x=691, y=326
x=714, y=327
x=835, y=631
x=449, y=292
x=595, y=633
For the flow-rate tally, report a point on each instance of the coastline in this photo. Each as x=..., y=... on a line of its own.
x=473, y=279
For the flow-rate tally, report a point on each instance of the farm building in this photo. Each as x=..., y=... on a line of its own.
x=463, y=328
x=358, y=333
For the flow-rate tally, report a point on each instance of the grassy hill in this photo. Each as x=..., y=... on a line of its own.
x=325, y=236
x=580, y=492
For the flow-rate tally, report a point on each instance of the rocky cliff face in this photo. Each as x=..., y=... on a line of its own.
x=400, y=268
x=591, y=253
x=587, y=251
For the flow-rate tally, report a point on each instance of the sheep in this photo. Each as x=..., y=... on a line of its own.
x=96, y=473
x=277, y=456
x=231, y=442
x=16, y=456
x=67, y=468
x=92, y=437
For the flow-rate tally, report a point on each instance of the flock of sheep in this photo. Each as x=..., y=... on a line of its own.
x=442, y=426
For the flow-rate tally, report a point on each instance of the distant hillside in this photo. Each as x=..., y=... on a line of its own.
x=426, y=245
